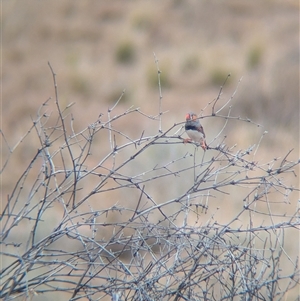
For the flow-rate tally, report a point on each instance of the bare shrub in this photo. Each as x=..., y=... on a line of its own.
x=101, y=214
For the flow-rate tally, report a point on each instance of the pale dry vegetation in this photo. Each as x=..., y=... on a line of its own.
x=100, y=198
x=99, y=214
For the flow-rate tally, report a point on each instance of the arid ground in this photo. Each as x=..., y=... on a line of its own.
x=100, y=49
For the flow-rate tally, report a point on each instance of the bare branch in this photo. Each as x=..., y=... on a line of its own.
x=141, y=216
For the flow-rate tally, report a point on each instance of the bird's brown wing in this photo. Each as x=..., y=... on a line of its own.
x=200, y=129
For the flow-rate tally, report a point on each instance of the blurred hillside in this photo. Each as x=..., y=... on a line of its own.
x=99, y=48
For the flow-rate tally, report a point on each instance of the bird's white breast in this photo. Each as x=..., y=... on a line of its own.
x=195, y=135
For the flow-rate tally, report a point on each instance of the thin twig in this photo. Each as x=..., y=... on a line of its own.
x=160, y=96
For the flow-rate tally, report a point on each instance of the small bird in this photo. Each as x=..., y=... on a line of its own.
x=194, y=130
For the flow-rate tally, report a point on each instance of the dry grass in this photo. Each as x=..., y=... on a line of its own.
x=112, y=211
x=197, y=45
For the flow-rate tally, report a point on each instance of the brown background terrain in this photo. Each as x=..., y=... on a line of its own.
x=100, y=48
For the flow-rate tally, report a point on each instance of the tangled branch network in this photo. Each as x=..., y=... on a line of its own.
x=104, y=214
